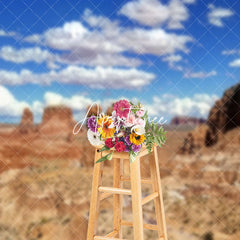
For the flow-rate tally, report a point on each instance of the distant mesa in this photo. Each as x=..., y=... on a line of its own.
x=56, y=120
x=223, y=117
x=184, y=120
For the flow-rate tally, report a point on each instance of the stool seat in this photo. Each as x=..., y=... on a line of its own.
x=124, y=155
x=100, y=193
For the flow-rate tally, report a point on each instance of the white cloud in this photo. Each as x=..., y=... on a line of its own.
x=171, y=59
x=73, y=35
x=9, y=105
x=97, y=21
x=35, y=38
x=35, y=54
x=105, y=77
x=154, y=13
x=98, y=77
x=166, y=105
x=24, y=76
x=38, y=55
x=99, y=59
x=235, y=63
x=231, y=52
x=189, y=1
x=178, y=14
x=217, y=14
x=170, y=105
x=200, y=74
x=106, y=40
x=153, y=41
x=7, y=34
x=76, y=102
x=146, y=12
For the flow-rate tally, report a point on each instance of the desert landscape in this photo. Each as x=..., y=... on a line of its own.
x=46, y=175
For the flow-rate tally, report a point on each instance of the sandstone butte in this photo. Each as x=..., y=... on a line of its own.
x=56, y=120
x=223, y=120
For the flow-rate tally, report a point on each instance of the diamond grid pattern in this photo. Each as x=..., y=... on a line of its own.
x=175, y=87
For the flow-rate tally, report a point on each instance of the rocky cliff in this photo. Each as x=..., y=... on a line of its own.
x=223, y=117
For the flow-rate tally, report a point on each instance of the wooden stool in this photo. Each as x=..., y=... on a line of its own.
x=99, y=193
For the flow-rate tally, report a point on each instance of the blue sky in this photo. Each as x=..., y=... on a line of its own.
x=176, y=56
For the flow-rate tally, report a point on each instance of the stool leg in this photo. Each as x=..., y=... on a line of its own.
x=94, y=205
x=117, y=198
x=159, y=208
x=136, y=199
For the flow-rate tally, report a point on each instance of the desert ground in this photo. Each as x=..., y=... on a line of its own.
x=45, y=187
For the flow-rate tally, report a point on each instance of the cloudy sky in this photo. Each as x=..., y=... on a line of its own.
x=176, y=56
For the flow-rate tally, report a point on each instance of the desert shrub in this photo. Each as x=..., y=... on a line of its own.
x=208, y=236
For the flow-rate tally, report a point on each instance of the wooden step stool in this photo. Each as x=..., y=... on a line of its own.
x=100, y=192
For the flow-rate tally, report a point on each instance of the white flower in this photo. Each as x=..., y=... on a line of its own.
x=93, y=138
x=138, y=129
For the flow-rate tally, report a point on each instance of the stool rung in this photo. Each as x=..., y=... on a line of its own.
x=113, y=190
x=107, y=238
x=149, y=198
x=143, y=180
x=111, y=234
x=147, y=226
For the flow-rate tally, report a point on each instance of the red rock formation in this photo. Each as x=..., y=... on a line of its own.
x=26, y=125
x=109, y=110
x=57, y=120
x=181, y=120
x=224, y=116
x=195, y=140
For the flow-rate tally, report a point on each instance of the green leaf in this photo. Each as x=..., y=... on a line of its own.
x=104, y=148
x=155, y=128
x=106, y=157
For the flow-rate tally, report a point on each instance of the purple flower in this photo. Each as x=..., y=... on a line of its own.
x=92, y=124
x=136, y=148
x=127, y=140
x=126, y=148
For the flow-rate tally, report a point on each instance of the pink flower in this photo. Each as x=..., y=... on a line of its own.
x=140, y=121
x=140, y=113
x=131, y=120
x=122, y=108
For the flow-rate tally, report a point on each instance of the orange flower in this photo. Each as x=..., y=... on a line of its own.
x=104, y=129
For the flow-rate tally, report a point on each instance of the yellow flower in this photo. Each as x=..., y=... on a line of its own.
x=105, y=131
x=137, y=139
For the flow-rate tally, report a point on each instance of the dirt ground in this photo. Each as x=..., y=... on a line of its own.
x=45, y=187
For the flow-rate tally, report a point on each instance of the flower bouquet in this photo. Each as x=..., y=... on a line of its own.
x=126, y=130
